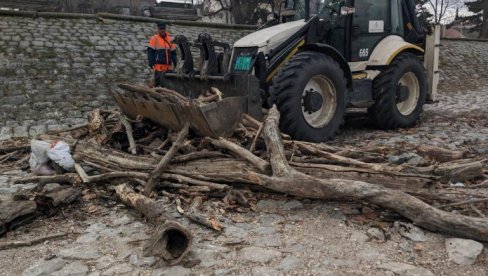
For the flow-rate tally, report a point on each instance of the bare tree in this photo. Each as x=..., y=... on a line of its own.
x=441, y=7
x=239, y=11
x=222, y=8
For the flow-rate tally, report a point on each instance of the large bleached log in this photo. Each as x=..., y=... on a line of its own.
x=285, y=179
x=171, y=240
x=257, y=162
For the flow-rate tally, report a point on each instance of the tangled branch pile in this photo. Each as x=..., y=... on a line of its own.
x=145, y=162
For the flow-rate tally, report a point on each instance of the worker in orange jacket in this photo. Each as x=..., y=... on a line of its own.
x=161, y=53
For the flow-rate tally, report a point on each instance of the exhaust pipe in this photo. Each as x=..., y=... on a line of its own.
x=307, y=10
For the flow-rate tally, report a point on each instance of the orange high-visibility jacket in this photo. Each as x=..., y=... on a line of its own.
x=161, y=52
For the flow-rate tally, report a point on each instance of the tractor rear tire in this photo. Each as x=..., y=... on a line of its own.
x=310, y=92
x=389, y=110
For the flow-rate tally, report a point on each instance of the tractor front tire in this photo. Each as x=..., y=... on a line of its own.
x=399, y=93
x=310, y=92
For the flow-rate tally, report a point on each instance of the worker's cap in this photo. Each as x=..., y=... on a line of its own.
x=161, y=25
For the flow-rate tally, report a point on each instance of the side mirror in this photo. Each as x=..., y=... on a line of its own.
x=345, y=10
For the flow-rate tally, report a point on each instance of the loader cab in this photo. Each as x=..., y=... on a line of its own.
x=356, y=34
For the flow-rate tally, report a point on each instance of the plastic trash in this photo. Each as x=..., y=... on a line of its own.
x=43, y=169
x=38, y=159
x=60, y=154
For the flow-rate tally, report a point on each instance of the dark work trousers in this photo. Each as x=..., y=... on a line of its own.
x=158, y=78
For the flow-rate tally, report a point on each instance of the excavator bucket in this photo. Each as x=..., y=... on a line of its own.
x=215, y=119
x=241, y=93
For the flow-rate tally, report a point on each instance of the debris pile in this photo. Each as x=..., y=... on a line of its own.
x=139, y=162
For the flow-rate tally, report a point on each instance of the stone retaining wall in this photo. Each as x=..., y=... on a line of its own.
x=463, y=62
x=54, y=70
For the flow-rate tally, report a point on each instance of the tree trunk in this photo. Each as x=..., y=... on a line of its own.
x=287, y=180
x=171, y=241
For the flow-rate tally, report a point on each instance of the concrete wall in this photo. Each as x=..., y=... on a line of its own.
x=54, y=70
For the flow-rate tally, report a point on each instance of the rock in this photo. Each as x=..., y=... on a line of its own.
x=376, y=234
x=111, y=232
x=293, y=204
x=368, y=254
x=270, y=219
x=225, y=272
x=406, y=246
x=359, y=237
x=275, y=240
x=105, y=262
x=405, y=269
x=172, y=271
x=463, y=252
x=337, y=214
x=142, y=262
x=121, y=221
x=235, y=232
x=409, y=158
x=210, y=255
x=258, y=254
x=265, y=271
x=270, y=205
x=50, y=187
x=337, y=263
x=96, y=227
x=120, y=269
x=265, y=230
x=88, y=238
x=73, y=269
x=45, y=268
x=295, y=218
x=410, y=231
x=85, y=252
x=290, y=263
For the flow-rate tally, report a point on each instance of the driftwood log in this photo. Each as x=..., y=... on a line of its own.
x=14, y=212
x=171, y=240
x=154, y=176
x=439, y=154
x=285, y=179
x=19, y=210
x=197, y=169
x=15, y=244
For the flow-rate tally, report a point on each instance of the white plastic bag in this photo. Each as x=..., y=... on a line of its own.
x=38, y=159
x=59, y=152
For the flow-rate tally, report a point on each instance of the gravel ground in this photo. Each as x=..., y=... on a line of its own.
x=282, y=236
